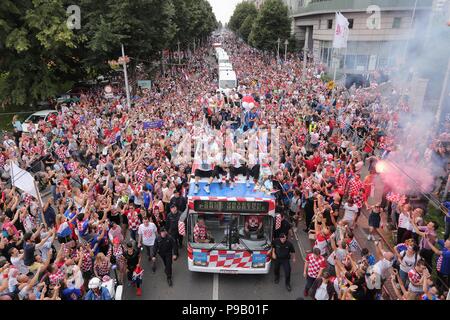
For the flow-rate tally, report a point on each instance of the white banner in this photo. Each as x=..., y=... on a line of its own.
x=23, y=180
x=340, y=31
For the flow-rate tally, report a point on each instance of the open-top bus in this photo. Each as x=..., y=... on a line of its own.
x=231, y=247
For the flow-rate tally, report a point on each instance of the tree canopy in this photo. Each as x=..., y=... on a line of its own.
x=271, y=23
x=241, y=12
x=41, y=57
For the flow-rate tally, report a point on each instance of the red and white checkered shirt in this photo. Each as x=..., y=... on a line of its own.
x=253, y=221
x=414, y=276
x=199, y=232
x=140, y=176
x=61, y=152
x=133, y=219
x=86, y=263
x=57, y=277
x=306, y=184
x=354, y=186
x=315, y=264
x=359, y=200
x=2, y=160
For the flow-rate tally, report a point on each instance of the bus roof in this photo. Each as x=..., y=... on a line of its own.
x=227, y=75
x=240, y=190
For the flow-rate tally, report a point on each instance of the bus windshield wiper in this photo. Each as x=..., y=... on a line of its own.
x=218, y=243
x=243, y=243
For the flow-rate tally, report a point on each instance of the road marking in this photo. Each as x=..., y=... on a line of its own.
x=302, y=252
x=215, y=286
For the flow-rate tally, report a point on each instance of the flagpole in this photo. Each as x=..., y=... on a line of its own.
x=335, y=63
x=11, y=173
x=41, y=205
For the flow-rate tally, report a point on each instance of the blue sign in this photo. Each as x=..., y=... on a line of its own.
x=200, y=258
x=258, y=260
x=153, y=124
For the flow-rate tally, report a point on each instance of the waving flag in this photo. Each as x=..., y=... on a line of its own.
x=340, y=31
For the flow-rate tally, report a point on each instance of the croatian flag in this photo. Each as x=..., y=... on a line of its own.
x=340, y=31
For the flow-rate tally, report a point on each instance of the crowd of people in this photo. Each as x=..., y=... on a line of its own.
x=118, y=187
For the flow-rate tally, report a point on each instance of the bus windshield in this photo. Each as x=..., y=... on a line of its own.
x=230, y=231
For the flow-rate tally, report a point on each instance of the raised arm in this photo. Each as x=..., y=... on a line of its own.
x=435, y=250
x=36, y=234
x=416, y=228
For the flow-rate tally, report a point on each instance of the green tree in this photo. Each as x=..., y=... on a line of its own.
x=246, y=27
x=241, y=12
x=145, y=27
x=36, y=51
x=271, y=23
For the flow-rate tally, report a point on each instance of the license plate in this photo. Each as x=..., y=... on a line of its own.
x=228, y=271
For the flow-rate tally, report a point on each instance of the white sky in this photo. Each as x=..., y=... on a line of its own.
x=223, y=9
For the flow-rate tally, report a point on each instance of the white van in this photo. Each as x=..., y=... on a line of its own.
x=227, y=80
x=33, y=120
x=219, y=52
x=224, y=59
x=225, y=67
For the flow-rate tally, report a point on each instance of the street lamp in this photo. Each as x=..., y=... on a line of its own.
x=179, y=57
x=124, y=60
x=278, y=50
x=285, y=49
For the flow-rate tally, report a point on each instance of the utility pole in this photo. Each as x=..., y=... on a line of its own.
x=305, y=53
x=285, y=49
x=124, y=61
x=278, y=50
x=179, y=56
x=335, y=58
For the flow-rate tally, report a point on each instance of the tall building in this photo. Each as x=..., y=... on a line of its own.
x=379, y=31
x=292, y=5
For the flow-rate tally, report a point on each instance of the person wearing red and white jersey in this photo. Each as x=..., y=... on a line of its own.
x=315, y=264
x=147, y=232
x=253, y=225
x=201, y=232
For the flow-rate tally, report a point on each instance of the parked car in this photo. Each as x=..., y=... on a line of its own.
x=33, y=120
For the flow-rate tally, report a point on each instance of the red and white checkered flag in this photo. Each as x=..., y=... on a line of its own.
x=181, y=228
x=277, y=221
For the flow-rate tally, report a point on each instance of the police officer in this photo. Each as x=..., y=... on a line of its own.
x=172, y=224
x=282, y=252
x=167, y=249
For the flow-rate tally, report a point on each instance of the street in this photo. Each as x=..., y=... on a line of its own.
x=189, y=285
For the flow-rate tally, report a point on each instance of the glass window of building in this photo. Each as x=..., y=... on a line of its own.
x=397, y=22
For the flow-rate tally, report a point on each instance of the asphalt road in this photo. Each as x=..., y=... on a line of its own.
x=188, y=285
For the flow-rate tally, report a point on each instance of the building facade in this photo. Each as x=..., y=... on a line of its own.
x=292, y=5
x=379, y=31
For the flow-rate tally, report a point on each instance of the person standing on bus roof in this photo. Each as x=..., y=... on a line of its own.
x=236, y=166
x=167, y=249
x=204, y=170
x=283, y=251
